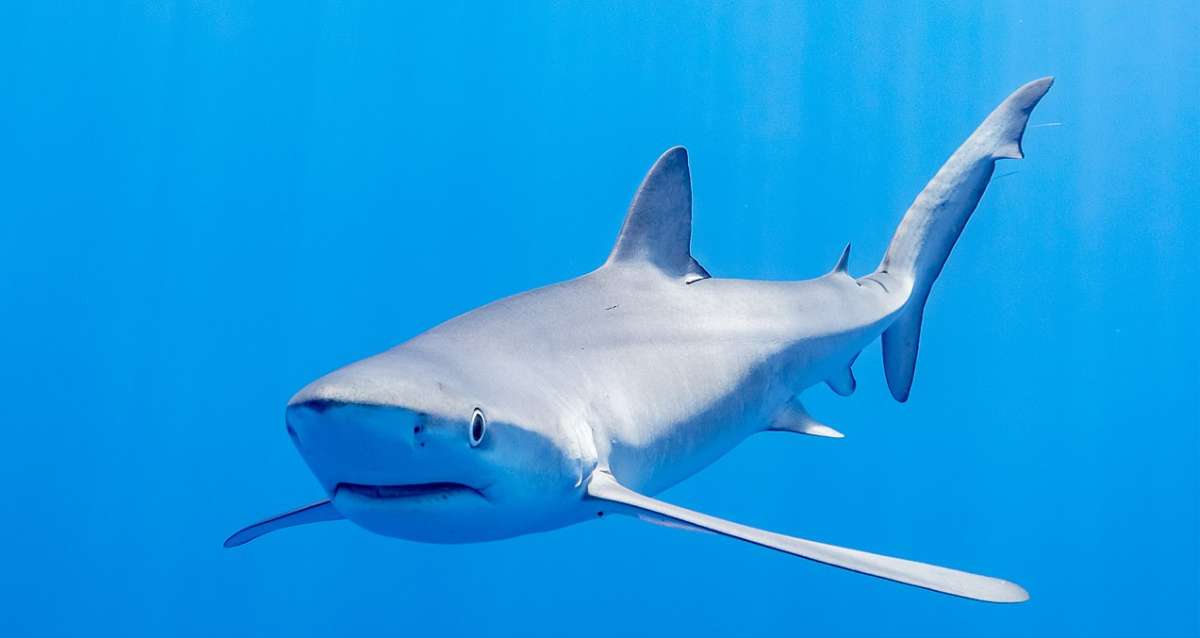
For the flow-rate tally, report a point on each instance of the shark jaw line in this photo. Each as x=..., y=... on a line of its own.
x=441, y=490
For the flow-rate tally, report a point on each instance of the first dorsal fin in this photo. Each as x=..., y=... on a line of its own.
x=658, y=227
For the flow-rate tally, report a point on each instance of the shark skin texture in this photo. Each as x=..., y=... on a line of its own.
x=587, y=397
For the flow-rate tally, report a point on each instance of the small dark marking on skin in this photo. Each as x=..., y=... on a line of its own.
x=610, y=308
x=601, y=514
x=422, y=444
x=416, y=429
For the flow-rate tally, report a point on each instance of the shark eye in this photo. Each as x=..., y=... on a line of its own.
x=478, y=427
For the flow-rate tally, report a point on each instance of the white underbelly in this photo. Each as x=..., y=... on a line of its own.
x=669, y=427
x=655, y=455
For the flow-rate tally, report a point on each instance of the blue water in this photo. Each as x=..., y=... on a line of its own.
x=207, y=205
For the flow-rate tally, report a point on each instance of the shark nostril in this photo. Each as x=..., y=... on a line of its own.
x=292, y=433
x=319, y=405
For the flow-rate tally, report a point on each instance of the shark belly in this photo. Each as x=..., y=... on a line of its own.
x=670, y=406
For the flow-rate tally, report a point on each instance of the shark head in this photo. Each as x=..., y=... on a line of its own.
x=420, y=445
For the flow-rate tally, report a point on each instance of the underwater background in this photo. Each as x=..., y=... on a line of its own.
x=206, y=205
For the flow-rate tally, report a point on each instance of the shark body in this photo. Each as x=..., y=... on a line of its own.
x=564, y=403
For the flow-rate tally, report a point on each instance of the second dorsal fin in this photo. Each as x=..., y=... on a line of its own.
x=658, y=227
x=843, y=261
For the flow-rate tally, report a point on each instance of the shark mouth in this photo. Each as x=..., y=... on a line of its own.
x=411, y=491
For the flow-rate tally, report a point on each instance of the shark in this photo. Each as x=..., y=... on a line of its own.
x=589, y=397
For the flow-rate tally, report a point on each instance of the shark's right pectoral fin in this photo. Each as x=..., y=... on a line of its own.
x=604, y=487
x=318, y=512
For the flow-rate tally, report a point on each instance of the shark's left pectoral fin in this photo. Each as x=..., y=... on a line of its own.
x=604, y=487
x=318, y=512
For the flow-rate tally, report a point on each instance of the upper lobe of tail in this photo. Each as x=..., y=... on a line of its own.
x=935, y=220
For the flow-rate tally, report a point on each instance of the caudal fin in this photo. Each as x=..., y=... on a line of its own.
x=936, y=219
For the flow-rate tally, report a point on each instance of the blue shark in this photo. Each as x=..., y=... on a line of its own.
x=588, y=397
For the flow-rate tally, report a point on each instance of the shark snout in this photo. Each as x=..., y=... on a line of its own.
x=356, y=443
x=305, y=415
x=395, y=471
